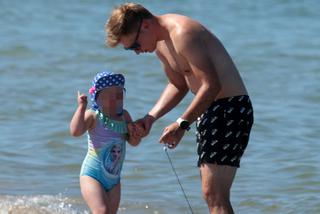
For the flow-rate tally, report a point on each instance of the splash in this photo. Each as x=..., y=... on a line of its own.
x=41, y=204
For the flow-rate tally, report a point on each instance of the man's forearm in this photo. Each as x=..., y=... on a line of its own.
x=170, y=97
x=204, y=97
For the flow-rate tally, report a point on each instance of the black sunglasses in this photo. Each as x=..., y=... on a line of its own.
x=135, y=45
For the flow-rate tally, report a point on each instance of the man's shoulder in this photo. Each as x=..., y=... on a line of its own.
x=185, y=27
x=185, y=36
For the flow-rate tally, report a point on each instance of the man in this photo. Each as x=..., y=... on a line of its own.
x=193, y=59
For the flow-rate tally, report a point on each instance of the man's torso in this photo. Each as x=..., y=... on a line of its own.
x=228, y=75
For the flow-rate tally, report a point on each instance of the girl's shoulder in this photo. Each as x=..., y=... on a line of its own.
x=90, y=113
x=91, y=116
x=127, y=116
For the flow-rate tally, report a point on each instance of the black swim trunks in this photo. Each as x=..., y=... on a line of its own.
x=223, y=131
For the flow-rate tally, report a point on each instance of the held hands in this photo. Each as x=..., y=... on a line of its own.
x=135, y=131
x=172, y=135
x=141, y=127
x=82, y=100
x=145, y=125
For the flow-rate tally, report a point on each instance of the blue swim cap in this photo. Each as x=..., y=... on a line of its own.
x=104, y=80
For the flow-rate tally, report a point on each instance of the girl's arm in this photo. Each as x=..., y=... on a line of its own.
x=82, y=120
x=133, y=138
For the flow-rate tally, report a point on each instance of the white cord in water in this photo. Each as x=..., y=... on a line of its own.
x=165, y=148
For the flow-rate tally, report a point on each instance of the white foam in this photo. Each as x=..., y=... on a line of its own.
x=39, y=204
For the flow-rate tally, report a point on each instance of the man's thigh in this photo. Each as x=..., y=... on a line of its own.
x=217, y=179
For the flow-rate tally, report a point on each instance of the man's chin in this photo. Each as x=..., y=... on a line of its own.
x=152, y=50
x=146, y=52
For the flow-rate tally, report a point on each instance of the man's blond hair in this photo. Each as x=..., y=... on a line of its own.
x=124, y=20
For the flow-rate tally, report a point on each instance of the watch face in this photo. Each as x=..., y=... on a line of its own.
x=184, y=124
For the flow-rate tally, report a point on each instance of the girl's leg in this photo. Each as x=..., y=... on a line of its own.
x=113, y=197
x=94, y=195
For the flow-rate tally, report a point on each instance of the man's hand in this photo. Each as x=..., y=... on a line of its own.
x=172, y=135
x=144, y=125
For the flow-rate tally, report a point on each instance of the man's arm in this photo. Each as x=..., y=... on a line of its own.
x=173, y=93
x=193, y=49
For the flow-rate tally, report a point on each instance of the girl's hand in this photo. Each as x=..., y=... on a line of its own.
x=134, y=130
x=144, y=125
x=134, y=137
x=82, y=100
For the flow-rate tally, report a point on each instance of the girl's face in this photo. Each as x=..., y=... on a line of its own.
x=111, y=99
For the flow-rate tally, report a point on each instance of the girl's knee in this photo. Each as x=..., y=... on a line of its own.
x=100, y=210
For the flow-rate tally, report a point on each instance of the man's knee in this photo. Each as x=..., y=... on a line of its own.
x=214, y=196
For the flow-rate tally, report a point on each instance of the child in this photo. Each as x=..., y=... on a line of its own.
x=107, y=125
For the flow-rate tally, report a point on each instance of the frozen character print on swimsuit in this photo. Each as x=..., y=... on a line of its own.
x=113, y=158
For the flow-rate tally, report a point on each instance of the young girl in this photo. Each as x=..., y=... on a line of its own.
x=107, y=125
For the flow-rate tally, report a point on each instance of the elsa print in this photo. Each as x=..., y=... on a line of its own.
x=113, y=161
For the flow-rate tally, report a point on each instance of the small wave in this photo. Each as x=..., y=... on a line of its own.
x=17, y=50
x=44, y=204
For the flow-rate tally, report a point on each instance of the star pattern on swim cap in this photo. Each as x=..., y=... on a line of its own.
x=104, y=80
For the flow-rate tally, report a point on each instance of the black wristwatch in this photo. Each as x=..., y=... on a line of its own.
x=183, y=124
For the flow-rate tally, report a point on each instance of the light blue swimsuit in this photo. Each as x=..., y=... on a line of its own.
x=106, y=151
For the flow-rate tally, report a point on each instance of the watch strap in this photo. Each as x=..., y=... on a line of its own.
x=180, y=121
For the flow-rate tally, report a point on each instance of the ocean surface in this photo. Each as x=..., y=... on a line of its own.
x=51, y=49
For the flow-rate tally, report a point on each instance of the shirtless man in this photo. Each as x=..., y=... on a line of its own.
x=193, y=59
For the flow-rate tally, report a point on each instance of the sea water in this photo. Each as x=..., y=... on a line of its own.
x=51, y=49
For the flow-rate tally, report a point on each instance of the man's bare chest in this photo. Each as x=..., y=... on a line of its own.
x=175, y=61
